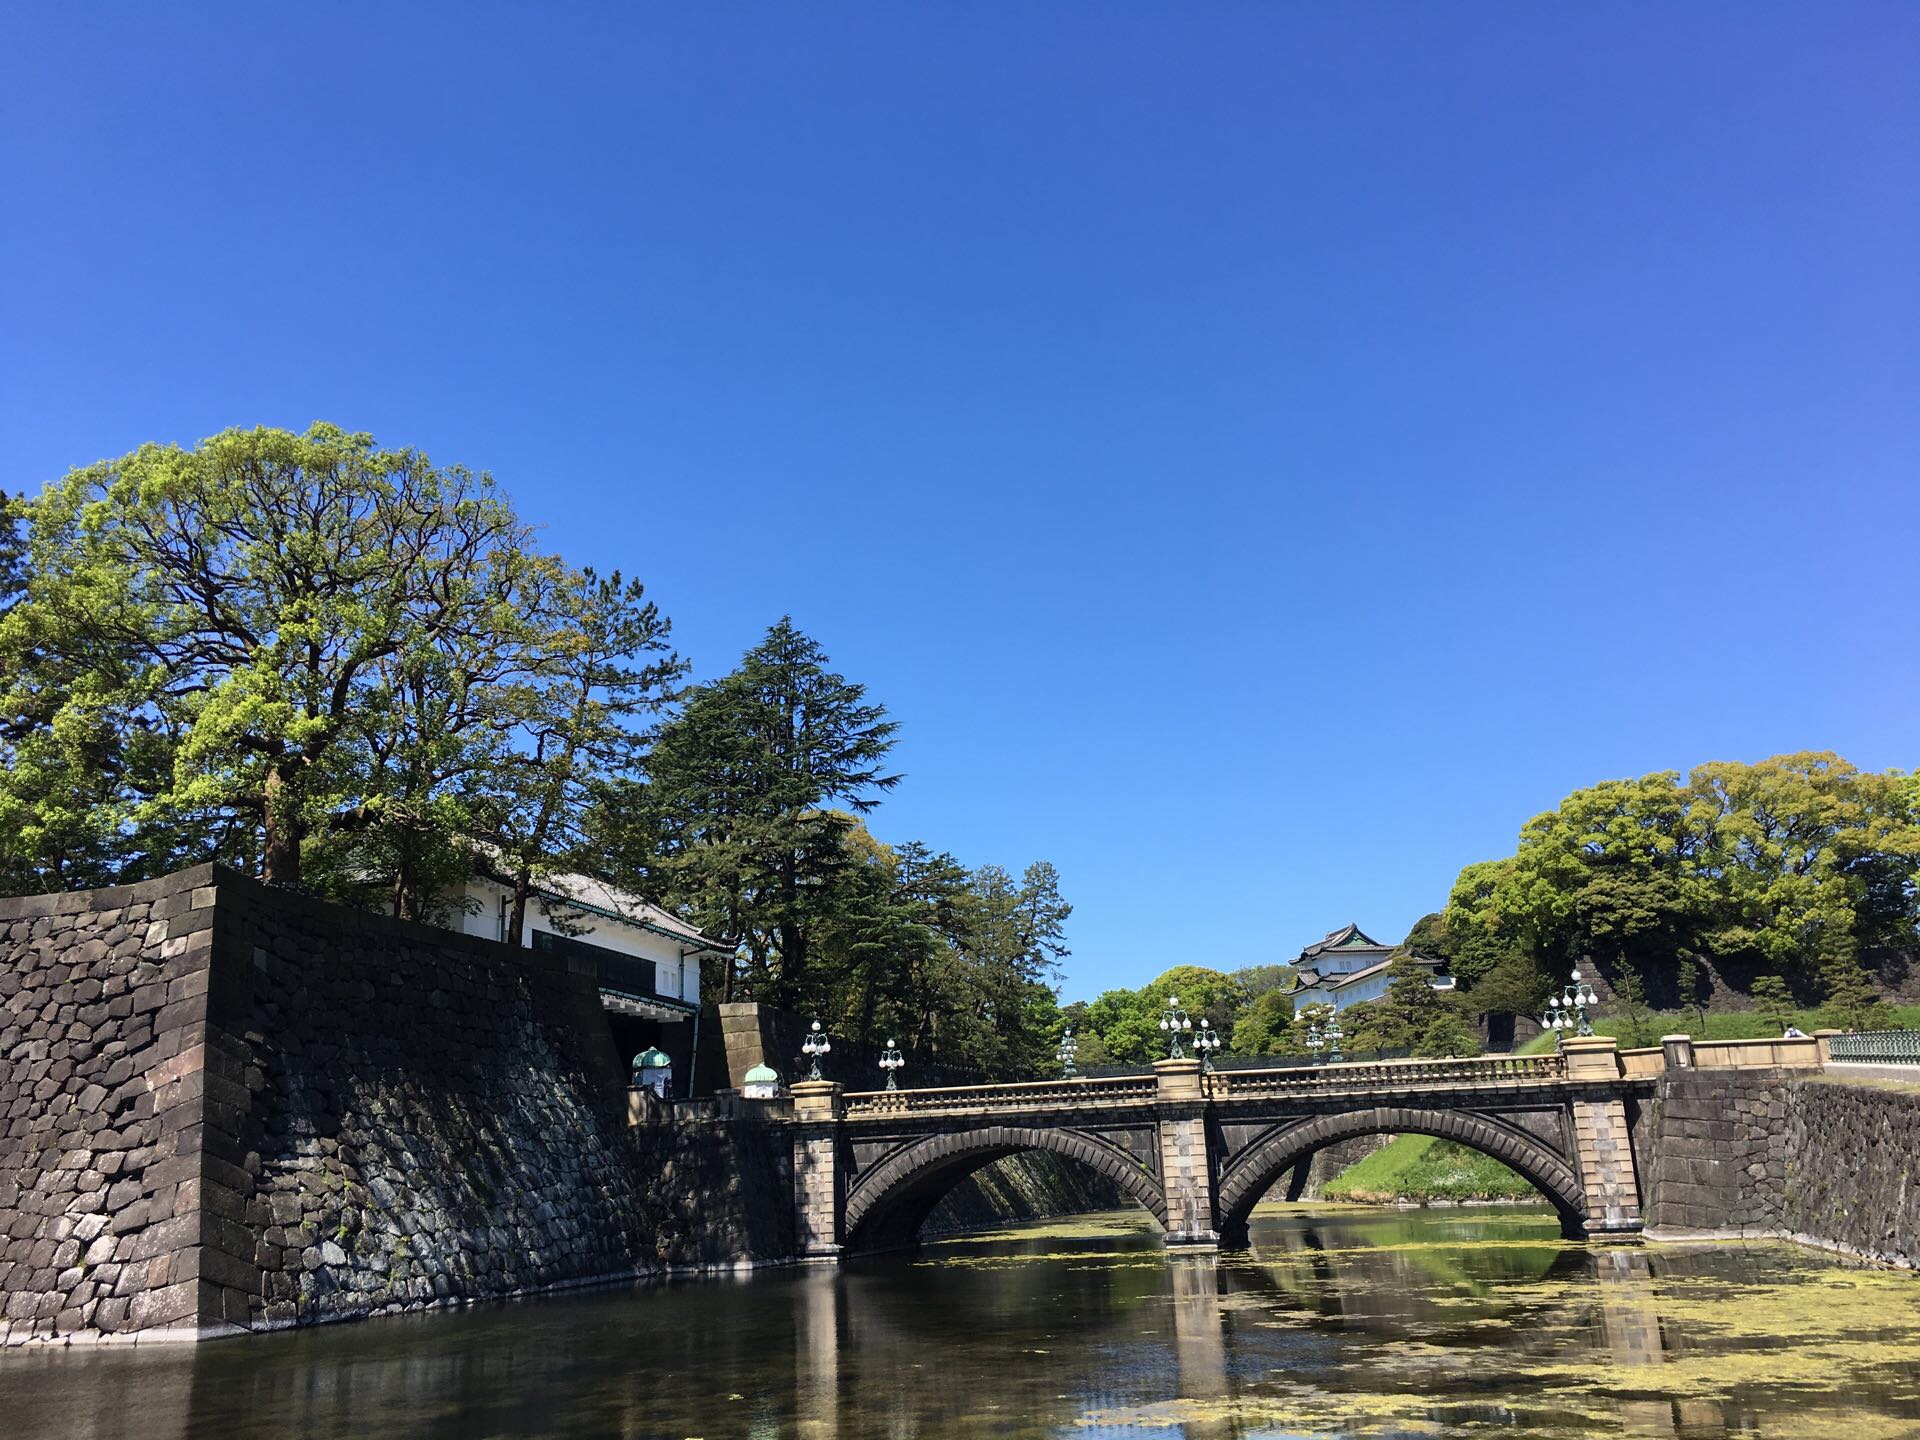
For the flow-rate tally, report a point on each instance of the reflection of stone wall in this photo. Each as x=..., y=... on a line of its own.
x=1786, y=1153
x=230, y=1106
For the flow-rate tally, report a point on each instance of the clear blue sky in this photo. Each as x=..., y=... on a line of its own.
x=1261, y=453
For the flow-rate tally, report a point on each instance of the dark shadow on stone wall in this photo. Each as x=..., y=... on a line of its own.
x=1032, y=1185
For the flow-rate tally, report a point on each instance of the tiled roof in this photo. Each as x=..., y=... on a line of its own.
x=585, y=892
x=1340, y=982
x=1347, y=937
x=601, y=898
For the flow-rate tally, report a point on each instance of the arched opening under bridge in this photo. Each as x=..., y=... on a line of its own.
x=1246, y=1181
x=887, y=1206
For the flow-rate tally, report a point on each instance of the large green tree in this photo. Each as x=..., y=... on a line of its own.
x=1128, y=1021
x=1266, y=1028
x=1011, y=946
x=1798, y=866
x=341, y=665
x=580, y=716
x=211, y=624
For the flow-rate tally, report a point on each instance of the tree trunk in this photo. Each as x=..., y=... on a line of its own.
x=280, y=840
x=517, y=910
x=793, y=962
x=406, y=880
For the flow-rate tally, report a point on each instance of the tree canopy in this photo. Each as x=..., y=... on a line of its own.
x=303, y=654
x=1799, y=867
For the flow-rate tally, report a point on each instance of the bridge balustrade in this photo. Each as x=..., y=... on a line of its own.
x=1879, y=1047
x=1032, y=1095
x=1479, y=1071
x=1103, y=1092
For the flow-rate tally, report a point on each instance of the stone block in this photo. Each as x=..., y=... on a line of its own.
x=178, y=1304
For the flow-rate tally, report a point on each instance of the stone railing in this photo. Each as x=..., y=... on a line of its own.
x=1089, y=1092
x=1073, y=1094
x=1391, y=1075
x=1647, y=1062
x=1795, y=1053
x=1876, y=1047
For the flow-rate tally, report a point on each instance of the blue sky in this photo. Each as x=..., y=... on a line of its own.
x=1261, y=453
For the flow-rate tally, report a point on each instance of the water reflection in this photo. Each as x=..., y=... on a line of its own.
x=1339, y=1324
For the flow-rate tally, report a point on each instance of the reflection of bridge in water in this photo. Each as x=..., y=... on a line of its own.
x=1198, y=1150
x=1357, y=1300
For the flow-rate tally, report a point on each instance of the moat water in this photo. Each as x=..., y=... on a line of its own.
x=1342, y=1323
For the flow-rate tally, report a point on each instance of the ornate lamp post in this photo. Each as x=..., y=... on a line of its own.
x=1069, y=1047
x=890, y=1061
x=1175, y=1023
x=1206, y=1040
x=813, y=1047
x=1314, y=1040
x=1571, y=1010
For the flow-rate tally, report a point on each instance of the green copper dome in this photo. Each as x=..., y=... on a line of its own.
x=762, y=1075
x=653, y=1059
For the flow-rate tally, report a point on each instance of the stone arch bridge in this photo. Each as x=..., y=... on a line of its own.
x=1198, y=1150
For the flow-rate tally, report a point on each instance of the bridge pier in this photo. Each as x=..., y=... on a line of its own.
x=1603, y=1147
x=1186, y=1167
x=818, y=1106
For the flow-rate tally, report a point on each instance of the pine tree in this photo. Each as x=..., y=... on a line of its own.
x=743, y=818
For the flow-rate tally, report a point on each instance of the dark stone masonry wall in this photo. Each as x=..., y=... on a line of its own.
x=230, y=1107
x=1783, y=1153
x=102, y=1006
x=1030, y=1185
x=1853, y=1168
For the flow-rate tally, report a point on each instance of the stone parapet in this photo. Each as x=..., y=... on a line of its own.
x=1178, y=1080
x=817, y=1100
x=1591, y=1057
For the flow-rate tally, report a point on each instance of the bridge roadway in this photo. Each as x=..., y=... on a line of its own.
x=1198, y=1150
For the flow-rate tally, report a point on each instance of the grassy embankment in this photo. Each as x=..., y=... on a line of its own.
x=1423, y=1168
x=1647, y=1029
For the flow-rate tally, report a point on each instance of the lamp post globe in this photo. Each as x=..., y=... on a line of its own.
x=1206, y=1040
x=813, y=1047
x=1175, y=1023
x=891, y=1060
x=1069, y=1048
x=1573, y=1010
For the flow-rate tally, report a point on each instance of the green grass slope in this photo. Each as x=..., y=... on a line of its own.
x=1423, y=1168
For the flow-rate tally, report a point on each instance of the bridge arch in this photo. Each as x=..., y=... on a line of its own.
x=887, y=1204
x=1248, y=1177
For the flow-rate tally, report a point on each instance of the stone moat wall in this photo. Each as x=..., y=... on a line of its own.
x=1815, y=1157
x=102, y=1026
x=228, y=1107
